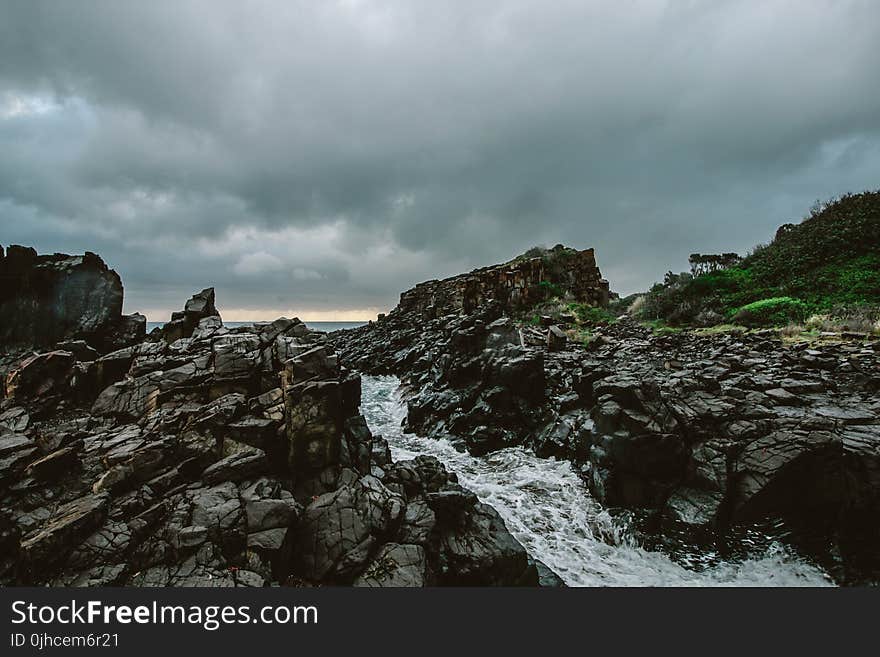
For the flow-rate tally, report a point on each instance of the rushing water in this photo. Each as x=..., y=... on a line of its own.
x=550, y=511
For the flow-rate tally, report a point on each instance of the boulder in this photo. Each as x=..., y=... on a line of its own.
x=479, y=551
x=183, y=324
x=201, y=305
x=48, y=298
x=61, y=534
x=43, y=377
x=418, y=524
x=396, y=566
x=236, y=356
x=788, y=472
x=129, y=330
x=14, y=420
x=314, y=426
x=246, y=464
x=80, y=349
x=336, y=524
x=56, y=464
x=556, y=338
x=315, y=364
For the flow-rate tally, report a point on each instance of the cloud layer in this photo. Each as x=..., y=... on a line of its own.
x=320, y=157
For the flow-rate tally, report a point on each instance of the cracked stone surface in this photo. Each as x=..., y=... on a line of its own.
x=697, y=433
x=211, y=456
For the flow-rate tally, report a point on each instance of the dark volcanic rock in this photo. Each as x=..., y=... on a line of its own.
x=700, y=433
x=182, y=325
x=243, y=465
x=516, y=284
x=479, y=551
x=338, y=528
x=70, y=523
x=48, y=298
x=209, y=456
x=42, y=378
x=396, y=566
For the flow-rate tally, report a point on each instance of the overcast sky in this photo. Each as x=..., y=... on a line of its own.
x=316, y=158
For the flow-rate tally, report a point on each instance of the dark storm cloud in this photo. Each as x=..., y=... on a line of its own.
x=323, y=156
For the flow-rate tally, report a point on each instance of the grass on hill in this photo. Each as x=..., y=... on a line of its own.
x=827, y=266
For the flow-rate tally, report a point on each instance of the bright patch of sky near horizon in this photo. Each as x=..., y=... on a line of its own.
x=318, y=158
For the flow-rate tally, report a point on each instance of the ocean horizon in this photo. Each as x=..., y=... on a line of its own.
x=317, y=326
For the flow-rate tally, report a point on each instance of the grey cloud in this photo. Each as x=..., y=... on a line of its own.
x=326, y=155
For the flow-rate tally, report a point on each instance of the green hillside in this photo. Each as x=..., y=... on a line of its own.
x=827, y=264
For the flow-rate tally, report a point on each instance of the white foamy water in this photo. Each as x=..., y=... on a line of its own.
x=549, y=510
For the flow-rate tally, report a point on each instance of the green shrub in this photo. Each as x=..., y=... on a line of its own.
x=850, y=283
x=591, y=315
x=835, y=235
x=659, y=327
x=776, y=311
x=829, y=260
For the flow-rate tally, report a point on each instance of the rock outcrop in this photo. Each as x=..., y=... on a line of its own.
x=700, y=434
x=45, y=299
x=514, y=285
x=228, y=457
x=714, y=431
x=184, y=322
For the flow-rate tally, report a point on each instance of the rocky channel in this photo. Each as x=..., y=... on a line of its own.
x=697, y=436
x=203, y=455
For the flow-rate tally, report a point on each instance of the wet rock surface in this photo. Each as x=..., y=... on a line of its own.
x=209, y=455
x=699, y=433
x=215, y=456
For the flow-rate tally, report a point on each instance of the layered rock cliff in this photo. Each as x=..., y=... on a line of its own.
x=514, y=285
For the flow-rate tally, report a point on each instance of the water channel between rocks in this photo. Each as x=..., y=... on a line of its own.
x=549, y=510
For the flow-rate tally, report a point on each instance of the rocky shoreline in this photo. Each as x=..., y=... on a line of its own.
x=201, y=455
x=698, y=434
x=206, y=455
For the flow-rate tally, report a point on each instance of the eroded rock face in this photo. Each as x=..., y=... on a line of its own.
x=699, y=433
x=44, y=377
x=48, y=298
x=469, y=376
x=713, y=431
x=183, y=323
x=229, y=457
x=514, y=285
x=65, y=528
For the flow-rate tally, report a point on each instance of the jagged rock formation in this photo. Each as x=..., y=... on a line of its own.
x=183, y=323
x=701, y=434
x=230, y=457
x=517, y=284
x=48, y=298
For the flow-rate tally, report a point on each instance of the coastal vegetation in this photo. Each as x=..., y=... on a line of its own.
x=822, y=273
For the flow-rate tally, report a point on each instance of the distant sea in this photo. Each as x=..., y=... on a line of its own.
x=317, y=326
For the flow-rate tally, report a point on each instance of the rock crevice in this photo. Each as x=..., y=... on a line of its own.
x=215, y=456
